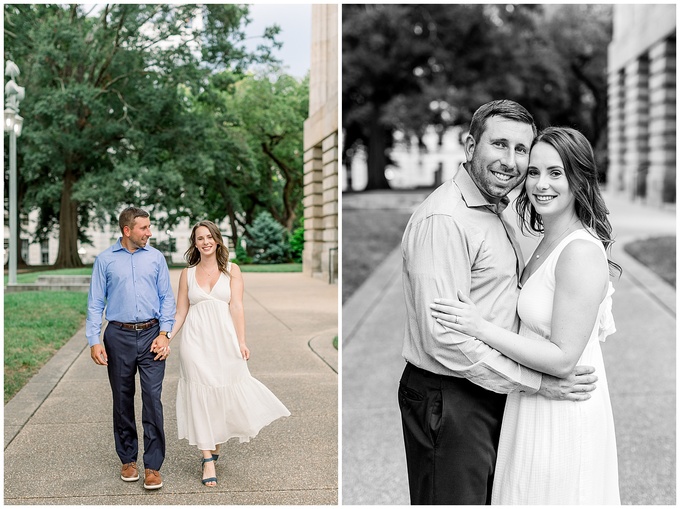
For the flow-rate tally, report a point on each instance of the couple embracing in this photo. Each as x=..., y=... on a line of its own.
x=498, y=396
x=217, y=398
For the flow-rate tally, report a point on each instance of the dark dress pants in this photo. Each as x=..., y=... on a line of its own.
x=127, y=351
x=451, y=430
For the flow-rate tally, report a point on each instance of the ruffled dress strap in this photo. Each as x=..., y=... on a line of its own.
x=607, y=326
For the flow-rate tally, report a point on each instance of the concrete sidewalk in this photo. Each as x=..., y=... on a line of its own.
x=640, y=360
x=58, y=429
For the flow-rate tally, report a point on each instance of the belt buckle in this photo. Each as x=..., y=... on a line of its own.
x=138, y=326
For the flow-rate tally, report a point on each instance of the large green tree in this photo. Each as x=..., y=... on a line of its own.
x=248, y=158
x=106, y=119
x=270, y=110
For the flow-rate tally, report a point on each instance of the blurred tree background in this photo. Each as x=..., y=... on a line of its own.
x=407, y=67
x=153, y=105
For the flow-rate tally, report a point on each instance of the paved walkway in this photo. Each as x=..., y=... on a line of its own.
x=640, y=359
x=58, y=432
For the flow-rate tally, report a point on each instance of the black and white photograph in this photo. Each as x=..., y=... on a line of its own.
x=508, y=205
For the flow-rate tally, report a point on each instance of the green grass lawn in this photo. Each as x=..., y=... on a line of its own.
x=31, y=276
x=279, y=267
x=37, y=324
x=657, y=253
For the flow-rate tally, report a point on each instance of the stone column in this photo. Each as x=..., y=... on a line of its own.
x=662, y=130
x=329, y=256
x=616, y=134
x=313, y=204
x=636, y=110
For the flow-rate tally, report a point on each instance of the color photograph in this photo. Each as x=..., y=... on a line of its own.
x=171, y=254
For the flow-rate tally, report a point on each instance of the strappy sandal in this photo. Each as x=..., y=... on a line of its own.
x=215, y=456
x=209, y=479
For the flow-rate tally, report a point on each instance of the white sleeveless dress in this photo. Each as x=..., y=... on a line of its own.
x=217, y=397
x=558, y=452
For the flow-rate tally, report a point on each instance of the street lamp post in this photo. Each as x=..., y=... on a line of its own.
x=14, y=94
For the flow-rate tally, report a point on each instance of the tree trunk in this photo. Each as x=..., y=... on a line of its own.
x=348, y=173
x=376, y=159
x=232, y=222
x=67, y=256
x=598, y=113
x=235, y=239
x=231, y=213
x=288, y=188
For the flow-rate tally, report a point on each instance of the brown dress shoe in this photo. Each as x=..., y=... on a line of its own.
x=152, y=479
x=129, y=472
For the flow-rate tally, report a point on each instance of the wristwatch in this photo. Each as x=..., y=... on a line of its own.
x=164, y=333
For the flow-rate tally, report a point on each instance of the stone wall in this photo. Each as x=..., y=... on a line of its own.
x=320, y=255
x=641, y=99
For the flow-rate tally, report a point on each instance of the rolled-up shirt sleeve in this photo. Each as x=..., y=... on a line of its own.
x=439, y=256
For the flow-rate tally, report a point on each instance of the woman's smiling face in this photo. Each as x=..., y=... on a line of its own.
x=546, y=184
x=204, y=241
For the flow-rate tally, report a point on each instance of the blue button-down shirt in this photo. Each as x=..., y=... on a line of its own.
x=134, y=287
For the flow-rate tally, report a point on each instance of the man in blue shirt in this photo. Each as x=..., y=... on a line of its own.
x=131, y=279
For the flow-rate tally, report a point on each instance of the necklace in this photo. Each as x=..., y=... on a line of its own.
x=205, y=270
x=555, y=240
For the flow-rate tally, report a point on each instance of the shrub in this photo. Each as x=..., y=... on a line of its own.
x=297, y=244
x=268, y=240
x=242, y=257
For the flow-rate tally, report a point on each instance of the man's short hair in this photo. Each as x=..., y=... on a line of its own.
x=128, y=216
x=503, y=108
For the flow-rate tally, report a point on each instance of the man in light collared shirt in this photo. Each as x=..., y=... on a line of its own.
x=452, y=393
x=132, y=281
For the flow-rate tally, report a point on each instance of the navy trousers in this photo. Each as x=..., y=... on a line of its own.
x=451, y=430
x=128, y=351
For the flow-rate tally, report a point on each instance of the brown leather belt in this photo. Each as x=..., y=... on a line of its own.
x=136, y=326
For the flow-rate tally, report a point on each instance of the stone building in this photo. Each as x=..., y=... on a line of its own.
x=641, y=96
x=320, y=255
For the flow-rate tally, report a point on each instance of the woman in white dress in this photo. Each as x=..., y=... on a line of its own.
x=217, y=398
x=556, y=452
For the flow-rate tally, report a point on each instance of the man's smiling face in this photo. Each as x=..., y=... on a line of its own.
x=498, y=160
